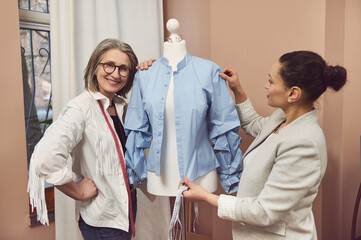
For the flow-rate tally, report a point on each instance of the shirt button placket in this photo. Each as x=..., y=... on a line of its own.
x=168, y=76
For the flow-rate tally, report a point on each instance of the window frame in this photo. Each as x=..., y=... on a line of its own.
x=33, y=20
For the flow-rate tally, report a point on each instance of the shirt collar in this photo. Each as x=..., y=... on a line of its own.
x=181, y=64
x=104, y=100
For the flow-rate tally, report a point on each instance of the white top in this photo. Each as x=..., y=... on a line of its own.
x=81, y=133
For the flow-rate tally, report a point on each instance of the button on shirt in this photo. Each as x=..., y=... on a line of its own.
x=82, y=134
x=204, y=116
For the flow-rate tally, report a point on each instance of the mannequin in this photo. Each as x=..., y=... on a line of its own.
x=181, y=110
x=167, y=183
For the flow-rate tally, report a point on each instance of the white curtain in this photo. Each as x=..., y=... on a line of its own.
x=77, y=26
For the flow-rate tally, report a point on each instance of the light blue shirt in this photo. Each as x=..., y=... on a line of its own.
x=204, y=116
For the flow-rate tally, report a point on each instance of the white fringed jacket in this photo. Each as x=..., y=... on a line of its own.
x=79, y=144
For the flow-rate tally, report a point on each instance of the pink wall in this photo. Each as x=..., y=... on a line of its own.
x=333, y=106
x=14, y=220
x=195, y=14
x=249, y=36
x=351, y=169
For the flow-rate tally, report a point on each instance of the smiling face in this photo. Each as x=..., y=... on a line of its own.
x=277, y=92
x=110, y=84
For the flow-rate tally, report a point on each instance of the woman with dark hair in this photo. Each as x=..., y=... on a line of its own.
x=90, y=131
x=284, y=165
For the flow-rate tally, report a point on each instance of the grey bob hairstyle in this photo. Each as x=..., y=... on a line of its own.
x=90, y=78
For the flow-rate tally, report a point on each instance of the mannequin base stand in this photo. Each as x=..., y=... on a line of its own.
x=186, y=217
x=189, y=214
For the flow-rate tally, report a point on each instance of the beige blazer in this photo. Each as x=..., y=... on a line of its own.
x=279, y=184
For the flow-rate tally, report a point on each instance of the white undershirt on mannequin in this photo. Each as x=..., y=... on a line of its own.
x=167, y=183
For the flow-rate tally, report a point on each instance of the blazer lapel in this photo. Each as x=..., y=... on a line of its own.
x=265, y=132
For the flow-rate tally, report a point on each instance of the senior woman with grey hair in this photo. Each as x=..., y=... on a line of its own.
x=89, y=129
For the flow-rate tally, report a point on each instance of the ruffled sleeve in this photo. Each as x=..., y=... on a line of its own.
x=137, y=128
x=224, y=125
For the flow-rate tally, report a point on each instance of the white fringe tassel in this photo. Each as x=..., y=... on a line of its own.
x=107, y=161
x=36, y=190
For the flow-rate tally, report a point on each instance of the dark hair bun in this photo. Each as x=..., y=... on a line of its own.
x=335, y=77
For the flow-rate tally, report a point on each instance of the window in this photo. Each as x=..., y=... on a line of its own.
x=35, y=58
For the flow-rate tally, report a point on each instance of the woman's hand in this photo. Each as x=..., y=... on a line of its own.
x=82, y=191
x=146, y=64
x=198, y=193
x=195, y=192
x=231, y=76
x=88, y=188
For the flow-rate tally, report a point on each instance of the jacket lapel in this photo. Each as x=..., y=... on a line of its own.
x=274, y=122
x=266, y=131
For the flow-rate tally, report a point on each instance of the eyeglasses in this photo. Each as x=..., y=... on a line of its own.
x=110, y=68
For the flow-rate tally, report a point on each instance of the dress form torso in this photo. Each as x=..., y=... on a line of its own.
x=167, y=183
